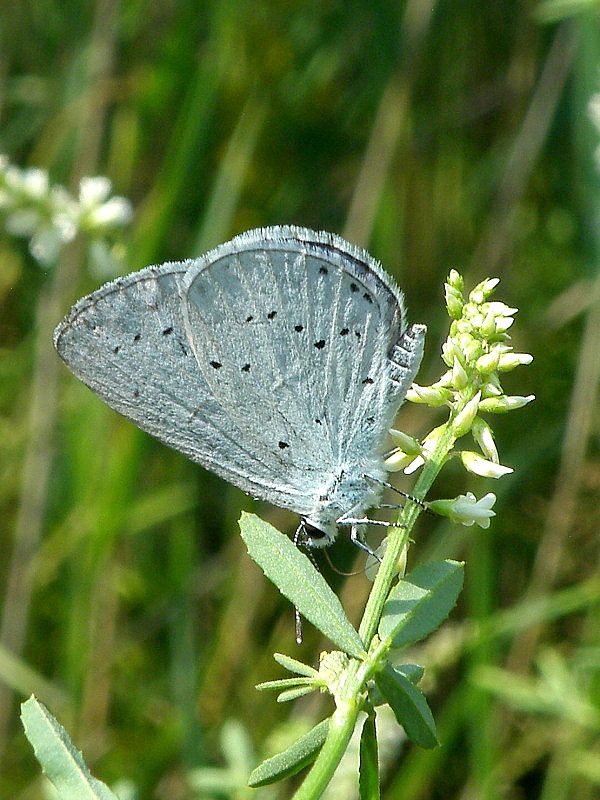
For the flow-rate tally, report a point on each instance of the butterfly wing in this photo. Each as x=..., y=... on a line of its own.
x=302, y=341
x=127, y=341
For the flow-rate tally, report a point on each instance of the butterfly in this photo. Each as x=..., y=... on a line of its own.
x=278, y=361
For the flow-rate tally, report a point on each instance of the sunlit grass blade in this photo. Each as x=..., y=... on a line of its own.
x=296, y=578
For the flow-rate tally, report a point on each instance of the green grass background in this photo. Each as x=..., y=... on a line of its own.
x=438, y=135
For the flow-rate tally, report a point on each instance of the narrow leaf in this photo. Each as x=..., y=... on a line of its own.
x=292, y=665
x=292, y=760
x=297, y=579
x=285, y=683
x=293, y=694
x=61, y=762
x=419, y=603
x=368, y=778
x=409, y=706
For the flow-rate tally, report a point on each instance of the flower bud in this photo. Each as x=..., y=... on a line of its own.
x=397, y=460
x=488, y=362
x=502, y=404
x=429, y=395
x=460, y=379
x=492, y=387
x=483, y=435
x=454, y=299
x=481, y=466
x=455, y=280
x=464, y=419
x=509, y=361
x=499, y=309
x=483, y=290
x=503, y=324
x=406, y=443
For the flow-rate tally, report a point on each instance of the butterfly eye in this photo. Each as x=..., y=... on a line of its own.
x=313, y=533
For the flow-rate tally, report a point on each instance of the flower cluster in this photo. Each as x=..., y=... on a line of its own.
x=51, y=217
x=476, y=353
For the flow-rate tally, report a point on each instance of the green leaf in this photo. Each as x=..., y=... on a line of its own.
x=297, y=579
x=368, y=776
x=293, y=694
x=61, y=762
x=285, y=683
x=292, y=665
x=419, y=603
x=413, y=672
x=409, y=706
x=292, y=760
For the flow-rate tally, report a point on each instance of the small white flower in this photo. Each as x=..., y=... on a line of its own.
x=466, y=509
x=469, y=511
x=479, y=465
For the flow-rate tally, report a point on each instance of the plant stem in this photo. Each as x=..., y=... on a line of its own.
x=341, y=727
x=399, y=536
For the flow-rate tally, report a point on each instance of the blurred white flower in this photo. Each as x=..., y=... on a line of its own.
x=50, y=217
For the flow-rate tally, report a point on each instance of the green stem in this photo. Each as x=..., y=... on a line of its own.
x=341, y=727
x=399, y=536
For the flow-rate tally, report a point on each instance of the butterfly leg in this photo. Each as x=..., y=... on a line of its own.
x=394, y=489
x=356, y=538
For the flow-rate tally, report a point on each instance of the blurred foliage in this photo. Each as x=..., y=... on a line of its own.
x=437, y=135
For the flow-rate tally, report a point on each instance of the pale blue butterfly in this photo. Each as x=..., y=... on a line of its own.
x=278, y=360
